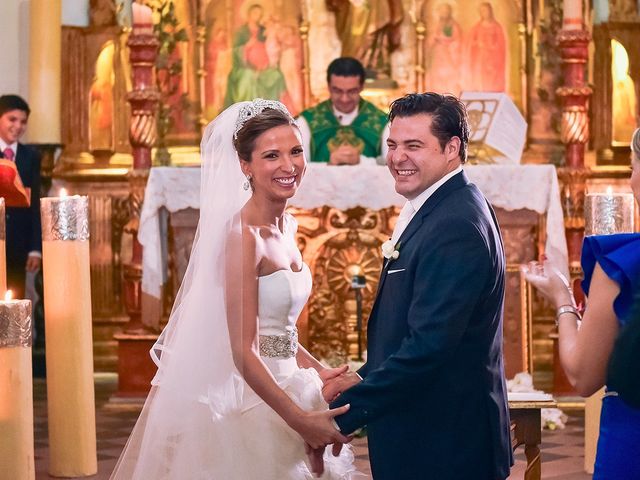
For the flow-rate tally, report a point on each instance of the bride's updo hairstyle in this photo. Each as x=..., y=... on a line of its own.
x=269, y=118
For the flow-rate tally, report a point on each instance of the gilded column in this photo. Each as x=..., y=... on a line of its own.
x=573, y=41
x=135, y=368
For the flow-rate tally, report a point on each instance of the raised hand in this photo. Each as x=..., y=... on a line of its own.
x=318, y=428
x=550, y=282
x=337, y=385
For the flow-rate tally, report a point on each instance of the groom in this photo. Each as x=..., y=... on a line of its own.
x=432, y=393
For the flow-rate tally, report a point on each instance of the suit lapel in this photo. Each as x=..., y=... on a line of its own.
x=454, y=183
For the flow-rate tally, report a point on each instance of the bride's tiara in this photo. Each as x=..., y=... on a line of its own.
x=255, y=107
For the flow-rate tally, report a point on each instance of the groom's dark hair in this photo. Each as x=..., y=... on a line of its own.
x=448, y=114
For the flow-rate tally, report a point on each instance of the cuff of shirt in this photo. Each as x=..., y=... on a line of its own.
x=35, y=253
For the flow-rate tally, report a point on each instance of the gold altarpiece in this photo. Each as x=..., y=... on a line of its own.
x=96, y=154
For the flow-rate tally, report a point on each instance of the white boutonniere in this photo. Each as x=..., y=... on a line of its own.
x=390, y=251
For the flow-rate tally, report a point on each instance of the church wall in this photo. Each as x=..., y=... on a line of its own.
x=14, y=38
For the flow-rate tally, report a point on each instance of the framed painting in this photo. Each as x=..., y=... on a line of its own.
x=252, y=49
x=474, y=45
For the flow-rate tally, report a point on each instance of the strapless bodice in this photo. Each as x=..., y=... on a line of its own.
x=281, y=297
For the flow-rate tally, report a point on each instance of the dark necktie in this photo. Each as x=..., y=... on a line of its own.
x=8, y=154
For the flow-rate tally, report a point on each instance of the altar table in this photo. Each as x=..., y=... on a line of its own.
x=510, y=187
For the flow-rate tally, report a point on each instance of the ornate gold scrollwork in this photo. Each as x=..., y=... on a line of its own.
x=339, y=245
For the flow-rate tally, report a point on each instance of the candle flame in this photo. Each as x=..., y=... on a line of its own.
x=63, y=192
x=609, y=190
x=8, y=296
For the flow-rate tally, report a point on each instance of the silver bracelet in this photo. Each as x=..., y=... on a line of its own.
x=567, y=309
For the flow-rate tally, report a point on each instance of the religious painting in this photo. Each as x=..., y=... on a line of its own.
x=252, y=49
x=101, y=101
x=176, y=70
x=472, y=46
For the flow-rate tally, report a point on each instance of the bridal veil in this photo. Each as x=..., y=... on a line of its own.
x=187, y=422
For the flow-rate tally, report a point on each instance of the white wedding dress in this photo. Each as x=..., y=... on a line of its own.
x=273, y=450
x=201, y=421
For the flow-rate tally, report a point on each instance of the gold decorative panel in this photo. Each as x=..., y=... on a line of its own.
x=339, y=244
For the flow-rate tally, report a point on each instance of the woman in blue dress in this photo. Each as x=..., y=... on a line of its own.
x=611, y=265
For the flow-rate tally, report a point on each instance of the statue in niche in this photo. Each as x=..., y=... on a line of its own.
x=101, y=101
x=444, y=53
x=369, y=31
x=624, y=102
x=102, y=13
x=486, y=53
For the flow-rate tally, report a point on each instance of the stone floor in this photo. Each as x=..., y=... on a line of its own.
x=561, y=450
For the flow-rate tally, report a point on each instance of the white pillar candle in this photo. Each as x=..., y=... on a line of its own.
x=607, y=213
x=16, y=391
x=67, y=300
x=142, y=18
x=572, y=15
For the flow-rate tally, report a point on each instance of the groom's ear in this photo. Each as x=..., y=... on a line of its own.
x=452, y=149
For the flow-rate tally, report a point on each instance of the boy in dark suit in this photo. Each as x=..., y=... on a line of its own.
x=23, y=232
x=432, y=393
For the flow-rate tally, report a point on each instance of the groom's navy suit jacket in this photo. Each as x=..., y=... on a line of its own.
x=433, y=396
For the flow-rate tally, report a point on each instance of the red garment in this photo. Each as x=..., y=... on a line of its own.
x=487, y=57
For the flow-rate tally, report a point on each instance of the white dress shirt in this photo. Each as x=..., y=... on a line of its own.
x=13, y=146
x=420, y=200
x=345, y=119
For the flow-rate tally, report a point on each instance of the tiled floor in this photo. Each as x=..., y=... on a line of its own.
x=561, y=450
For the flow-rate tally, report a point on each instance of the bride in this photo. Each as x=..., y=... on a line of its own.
x=235, y=396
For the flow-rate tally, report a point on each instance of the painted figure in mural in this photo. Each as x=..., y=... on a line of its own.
x=253, y=75
x=369, y=31
x=345, y=129
x=444, y=53
x=218, y=65
x=487, y=53
x=291, y=66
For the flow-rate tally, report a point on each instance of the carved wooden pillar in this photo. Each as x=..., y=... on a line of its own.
x=135, y=368
x=575, y=95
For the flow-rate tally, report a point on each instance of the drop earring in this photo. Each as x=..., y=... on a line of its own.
x=247, y=183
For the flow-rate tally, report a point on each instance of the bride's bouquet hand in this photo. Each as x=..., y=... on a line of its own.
x=318, y=429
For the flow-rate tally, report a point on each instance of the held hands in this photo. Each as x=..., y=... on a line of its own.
x=345, y=155
x=336, y=385
x=318, y=429
x=550, y=282
x=315, y=452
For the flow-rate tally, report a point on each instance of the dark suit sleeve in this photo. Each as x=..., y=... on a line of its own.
x=35, y=241
x=450, y=277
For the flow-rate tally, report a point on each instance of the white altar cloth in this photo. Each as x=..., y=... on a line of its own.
x=510, y=187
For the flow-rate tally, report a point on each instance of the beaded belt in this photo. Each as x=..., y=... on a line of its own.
x=280, y=346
